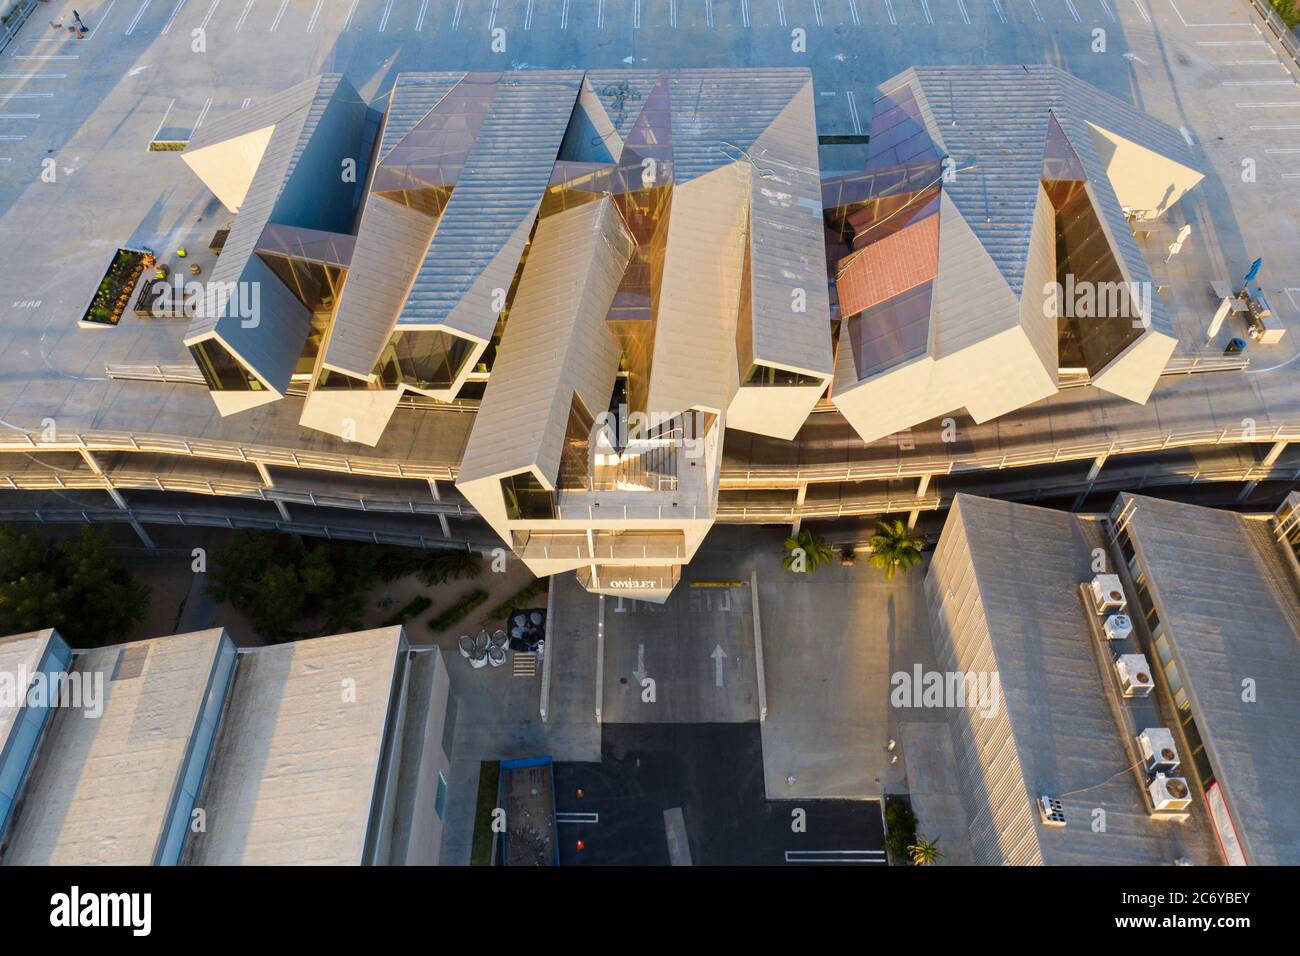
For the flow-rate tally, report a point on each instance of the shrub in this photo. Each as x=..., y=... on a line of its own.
x=410, y=610
x=900, y=828
x=440, y=622
x=520, y=598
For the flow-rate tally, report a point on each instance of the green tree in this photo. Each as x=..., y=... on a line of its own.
x=924, y=852
x=433, y=567
x=288, y=588
x=893, y=547
x=71, y=584
x=807, y=552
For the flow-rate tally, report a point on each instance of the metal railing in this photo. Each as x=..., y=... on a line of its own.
x=1273, y=23
x=224, y=451
x=22, y=10
x=739, y=478
x=200, y=519
x=172, y=374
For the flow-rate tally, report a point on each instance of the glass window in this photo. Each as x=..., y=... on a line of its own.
x=526, y=497
x=425, y=359
x=221, y=372
x=760, y=374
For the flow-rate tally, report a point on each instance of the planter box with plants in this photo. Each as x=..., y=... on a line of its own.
x=519, y=600
x=410, y=610
x=114, y=291
x=440, y=622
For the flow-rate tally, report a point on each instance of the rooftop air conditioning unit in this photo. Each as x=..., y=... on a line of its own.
x=1107, y=593
x=1134, y=675
x=1159, y=755
x=1118, y=627
x=1051, y=812
x=1169, y=793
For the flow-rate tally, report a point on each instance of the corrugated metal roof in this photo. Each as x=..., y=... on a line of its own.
x=1230, y=609
x=481, y=234
x=100, y=790
x=556, y=343
x=294, y=768
x=272, y=345
x=1003, y=590
x=993, y=122
x=695, y=332
x=787, y=248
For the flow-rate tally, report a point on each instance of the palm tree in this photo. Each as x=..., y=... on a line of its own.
x=924, y=852
x=807, y=552
x=893, y=547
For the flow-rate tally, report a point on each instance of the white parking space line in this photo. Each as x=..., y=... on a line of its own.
x=47, y=56
x=1267, y=106
x=964, y=15
x=279, y=15
x=1259, y=83
x=25, y=96
x=455, y=17
x=180, y=5
x=347, y=24
x=853, y=112
x=1272, y=61
x=203, y=114
x=744, y=13
x=1231, y=43
x=708, y=13
x=383, y=20
x=1239, y=23
x=817, y=11
x=889, y=8
x=853, y=12
x=925, y=5
x=424, y=9
x=780, y=12
x=561, y=817
x=1258, y=129
x=492, y=17
x=636, y=15
x=99, y=19
x=1110, y=14
x=835, y=856
x=1037, y=13
x=1289, y=151
x=528, y=16
x=1073, y=12
x=315, y=15
x=1142, y=10
x=130, y=27
x=239, y=24
x=600, y=13
x=203, y=25
x=672, y=13
x=12, y=139
x=997, y=5
x=33, y=76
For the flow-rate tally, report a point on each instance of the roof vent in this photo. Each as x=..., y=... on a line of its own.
x=1051, y=812
x=1118, y=627
x=1159, y=755
x=1107, y=593
x=130, y=662
x=1134, y=675
x=1169, y=793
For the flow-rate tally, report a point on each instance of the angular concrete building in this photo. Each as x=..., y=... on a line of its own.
x=985, y=254
x=590, y=314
